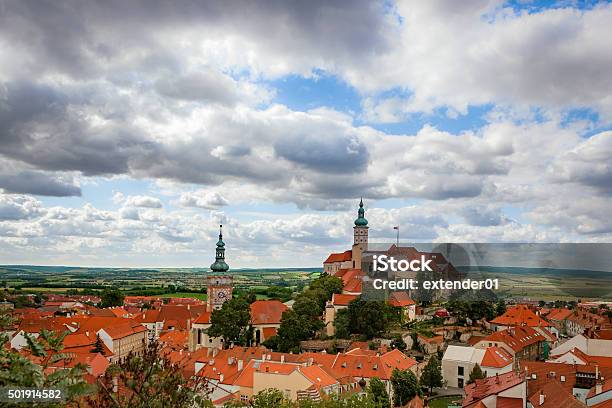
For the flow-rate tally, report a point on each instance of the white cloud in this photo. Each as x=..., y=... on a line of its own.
x=203, y=199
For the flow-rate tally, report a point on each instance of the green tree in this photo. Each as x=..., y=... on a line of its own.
x=98, y=346
x=405, y=387
x=500, y=309
x=111, y=297
x=432, y=373
x=378, y=392
x=328, y=284
x=399, y=343
x=232, y=322
x=342, y=324
x=293, y=329
x=270, y=398
x=307, y=306
x=476, y=374
x=18, y=371
x=149, y=380
x=368, y=318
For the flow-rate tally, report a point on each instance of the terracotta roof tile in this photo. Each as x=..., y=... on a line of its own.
x=267, y=311
x=339, y=257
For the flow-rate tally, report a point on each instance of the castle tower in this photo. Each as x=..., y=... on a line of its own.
x=360, y=230
x=219, y=287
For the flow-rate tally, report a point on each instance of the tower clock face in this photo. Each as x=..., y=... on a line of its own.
x=222, y=294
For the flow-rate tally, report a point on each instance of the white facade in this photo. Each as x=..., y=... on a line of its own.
x=458, y=362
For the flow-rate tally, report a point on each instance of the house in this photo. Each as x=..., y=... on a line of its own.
x=522, y=343
x=507, y=390
x=294, y=380
x=337, y=261
x=600, y=396
x=95, y=363
x=402, y=300
x=522, y=316
x=553, y=395
x=597, y=344
x=577, y=380
x=558, y=317
x=265, y=318
x=581, y=321
x=357, y=367
x=458, y=362
x=577, y=356
x=339, y=301
x=168, y=318
x=123, y=338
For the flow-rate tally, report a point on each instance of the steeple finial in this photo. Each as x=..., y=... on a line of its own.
x=219, y=265
x=361, y=221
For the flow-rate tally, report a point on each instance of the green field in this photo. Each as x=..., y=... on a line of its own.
x=201, y=296
x=444, y=402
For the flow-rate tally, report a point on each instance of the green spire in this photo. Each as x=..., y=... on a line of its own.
x=219, y=265
x=361, y=221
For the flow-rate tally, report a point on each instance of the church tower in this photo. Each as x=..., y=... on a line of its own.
x=219, y=286
x=360, y=230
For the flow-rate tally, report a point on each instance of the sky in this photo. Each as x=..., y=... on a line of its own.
x=130, y=130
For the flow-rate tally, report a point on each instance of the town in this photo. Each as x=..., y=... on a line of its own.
x=328, y=343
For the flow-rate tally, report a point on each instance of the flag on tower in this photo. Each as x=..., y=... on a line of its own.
x=396, y=228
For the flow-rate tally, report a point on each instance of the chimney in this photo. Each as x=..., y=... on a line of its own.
x=597, y=372
x=542, y=397
x=267, y=369
x=282, y=358
x=188, y=306
x=240, y=365
x=87, y=333
x=220, y=378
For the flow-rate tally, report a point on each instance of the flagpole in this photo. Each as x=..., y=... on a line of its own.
x=398, y=236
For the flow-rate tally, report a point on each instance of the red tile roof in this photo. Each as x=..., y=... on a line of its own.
x=517, y=338
x=554, y=395
x=496, y=357
x=339, y=257
x=400, y=299
x=559, y=314
x=520, y=315
x=122, y=330
x=507, y=402
x=318, y=376
x=267, y=311
x=480, y=389
x=339, y=299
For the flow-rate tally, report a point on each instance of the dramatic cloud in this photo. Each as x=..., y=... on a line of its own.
x=37, y=183
x=183, y=114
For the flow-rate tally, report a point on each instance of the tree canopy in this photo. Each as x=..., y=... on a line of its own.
x=111, y=297
x=405, y=387
x=232, y=322
x=432, y=373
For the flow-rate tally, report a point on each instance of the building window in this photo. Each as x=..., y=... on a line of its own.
x=460, y=382
x=460, y=370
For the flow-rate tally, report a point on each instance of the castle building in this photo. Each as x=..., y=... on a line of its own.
x=350, y=259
